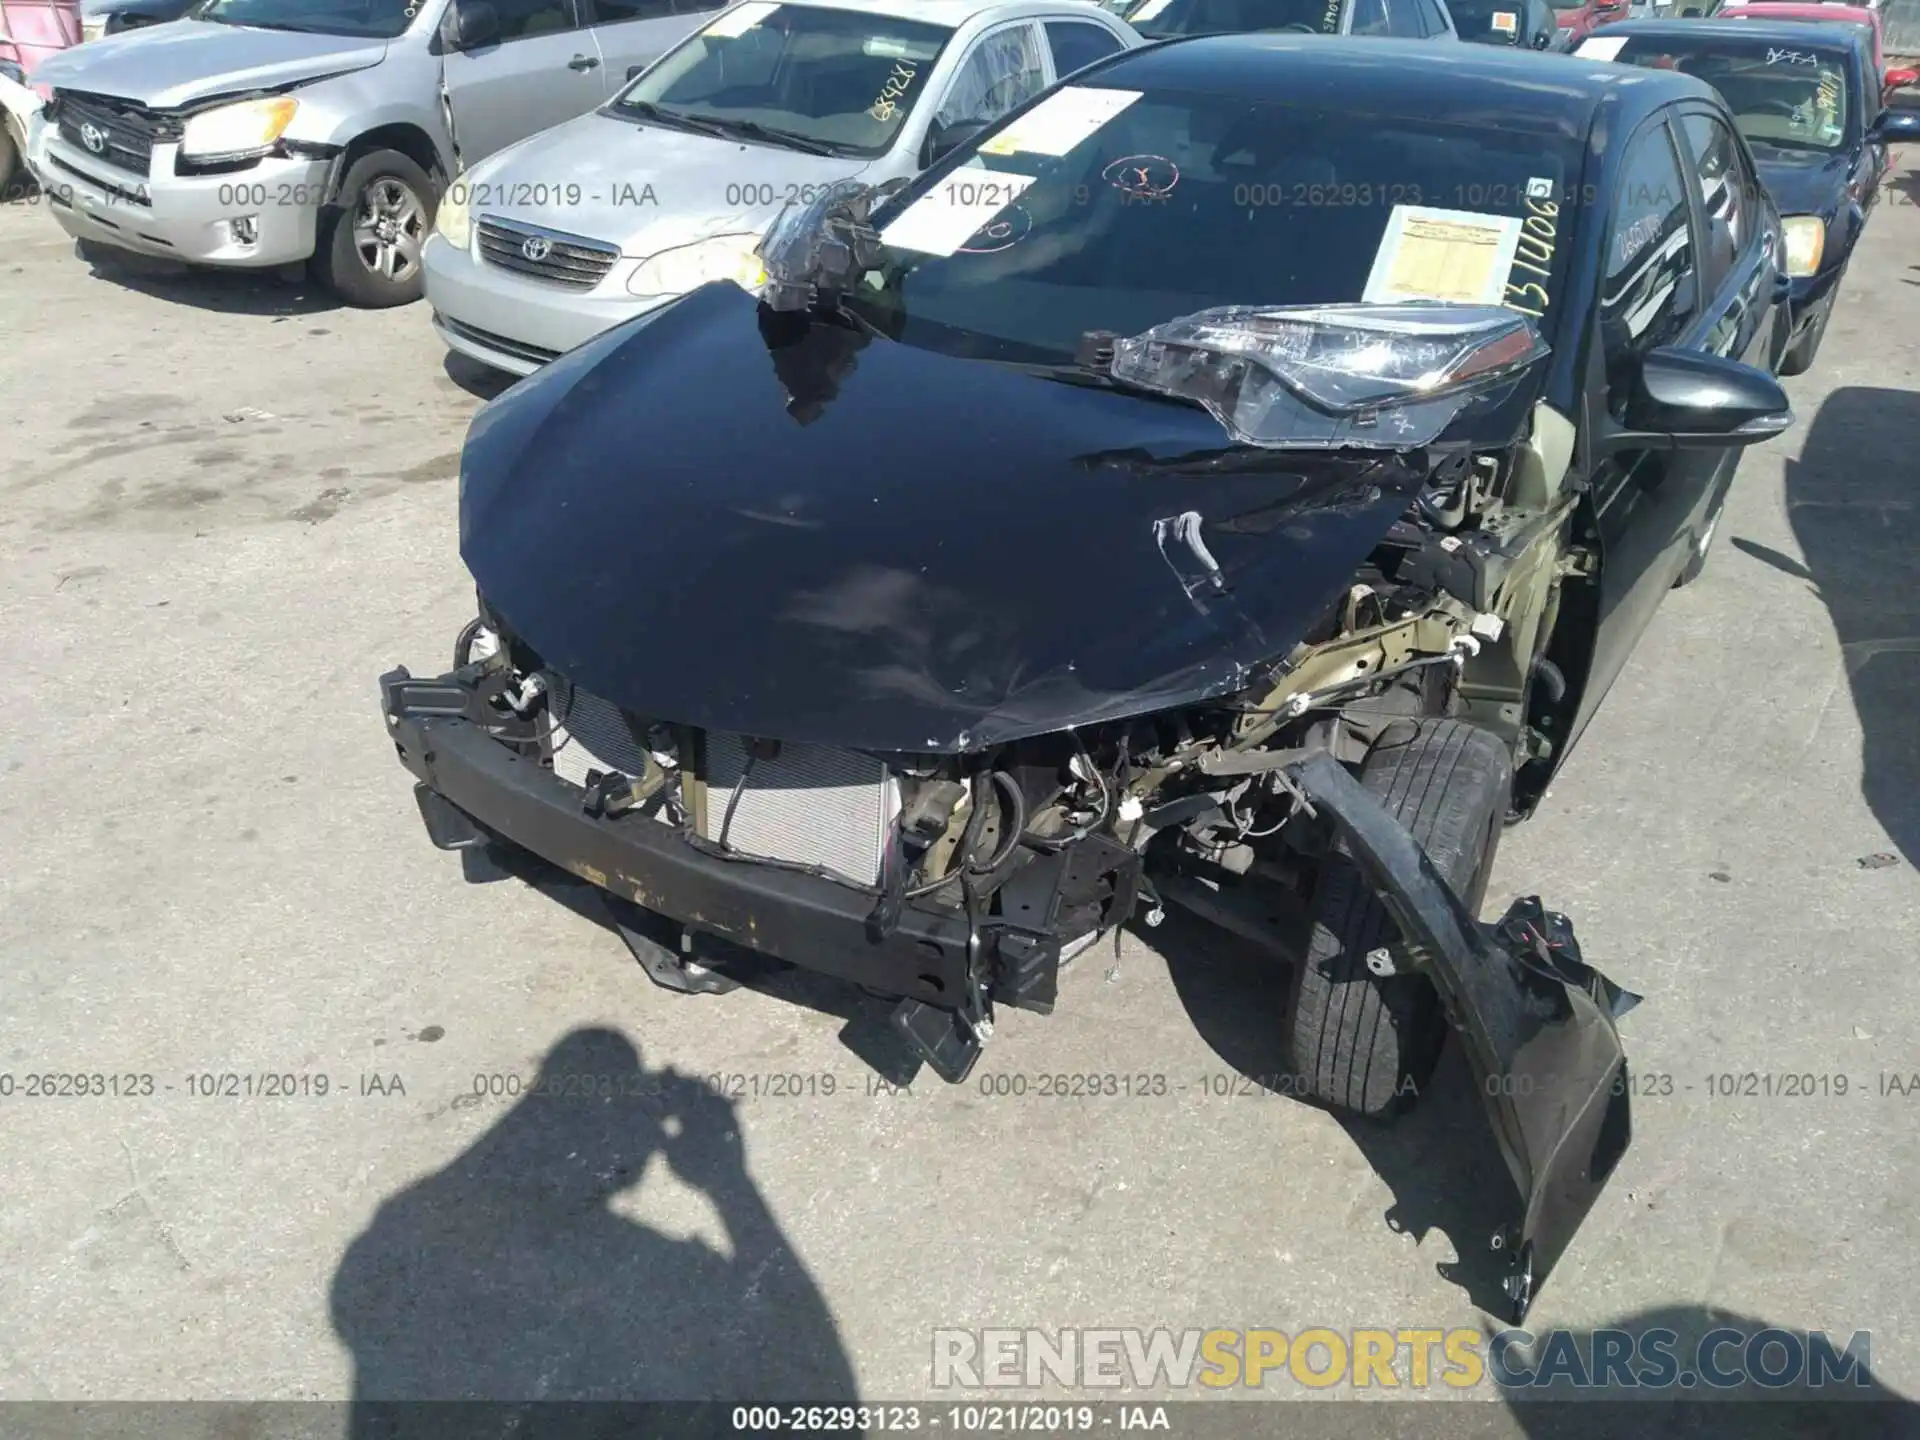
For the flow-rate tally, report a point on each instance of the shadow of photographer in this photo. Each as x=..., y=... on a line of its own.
x=509, y=1275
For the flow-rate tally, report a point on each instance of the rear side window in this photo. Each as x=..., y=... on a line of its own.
x=523, y=19
x=1727, y=194
x=1076, y=46
x=1370, y=18
x=1651, y=289
x=1406, y=18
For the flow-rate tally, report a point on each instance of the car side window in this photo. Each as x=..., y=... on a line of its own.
x=1077, y=45
x=1003, y=72
x=1727, y=197
x=1436, y=21
x=1369, y=18
x=524, y=19
x=1651, y=291
x=1404, y=18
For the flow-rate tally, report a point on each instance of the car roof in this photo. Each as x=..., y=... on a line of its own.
x=1494, y=85
x=1807, y=33
x=955, y=13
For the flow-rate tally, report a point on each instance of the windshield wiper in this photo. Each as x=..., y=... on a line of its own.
x=806, y=144
x=647, y=110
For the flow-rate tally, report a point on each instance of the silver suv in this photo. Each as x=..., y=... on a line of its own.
x=263, y=133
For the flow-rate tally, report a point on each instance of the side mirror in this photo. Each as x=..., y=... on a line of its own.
x=943, y=140
x=1896, y=126
x=1684, y=400
x=475, y=23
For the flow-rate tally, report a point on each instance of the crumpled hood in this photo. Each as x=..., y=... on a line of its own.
x=860, y=543
x=167, y=66
x=647, y=187
x=1803, y=183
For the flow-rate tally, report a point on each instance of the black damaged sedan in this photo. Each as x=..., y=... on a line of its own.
x=1229, y=482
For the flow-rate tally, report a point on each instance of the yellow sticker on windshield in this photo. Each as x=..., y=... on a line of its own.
x=1458, y=256
x=1506, y=21
x=1060, y=122
x=729, y=24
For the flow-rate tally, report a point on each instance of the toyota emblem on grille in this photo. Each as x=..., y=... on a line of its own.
x=535, y=248
x=93, y=137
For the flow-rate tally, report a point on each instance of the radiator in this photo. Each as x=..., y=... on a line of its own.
x=808, y=805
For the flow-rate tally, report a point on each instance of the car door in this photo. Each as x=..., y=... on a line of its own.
x=632, y=34
x=541, y=67
x=1076, y=44
x=1001, y=71
x=1651, y=294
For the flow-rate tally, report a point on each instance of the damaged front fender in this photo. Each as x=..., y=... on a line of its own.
x=1537, y=1023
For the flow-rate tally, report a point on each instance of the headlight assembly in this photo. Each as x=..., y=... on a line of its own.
x=688, y=267
x=235, y=132
x=451, y=219
x=1806, y=243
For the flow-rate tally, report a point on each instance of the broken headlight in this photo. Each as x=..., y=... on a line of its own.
x=1388, y=377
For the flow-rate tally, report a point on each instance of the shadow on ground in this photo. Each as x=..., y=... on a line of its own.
x=1571, y=1394
x=227, y=292
x=865, y=1030
x=1855, y=512
x=1440, y=1159
x=509, y=1276
x=480, y=381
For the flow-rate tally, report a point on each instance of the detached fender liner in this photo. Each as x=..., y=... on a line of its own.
x=808, y=921
x=1537, y=1023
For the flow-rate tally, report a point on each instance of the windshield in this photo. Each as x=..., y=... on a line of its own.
x=1179, y=203
x=842, y=81
x=375, y=19
x=1788, y=97
x=1163, y=19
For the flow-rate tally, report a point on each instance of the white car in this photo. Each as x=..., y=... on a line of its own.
x=671, y=184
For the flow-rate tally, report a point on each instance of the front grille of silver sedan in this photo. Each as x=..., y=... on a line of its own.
x=573, y=261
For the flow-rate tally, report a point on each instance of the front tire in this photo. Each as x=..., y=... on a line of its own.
x=13, y=149
x=367, y=247
x=1367, y=1043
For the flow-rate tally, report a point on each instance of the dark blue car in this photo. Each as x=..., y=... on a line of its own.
x=1807, y=101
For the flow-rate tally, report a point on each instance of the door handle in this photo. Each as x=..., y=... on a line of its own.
x=1782, y=287
x=583, y=62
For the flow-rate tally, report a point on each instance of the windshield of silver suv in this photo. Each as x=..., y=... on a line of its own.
x=374, y=19
x=836, y=82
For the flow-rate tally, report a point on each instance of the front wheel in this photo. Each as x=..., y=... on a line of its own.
x=367, y=249
x=1362, y=1041
x=13, y=149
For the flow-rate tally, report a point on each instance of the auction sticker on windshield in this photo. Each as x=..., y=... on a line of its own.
x=1458, y=256
x=1060, y=122
x=740, y=19
x=952, y=212
x=1601, y=47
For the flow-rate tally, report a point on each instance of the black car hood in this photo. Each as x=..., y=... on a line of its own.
x=1803, y=182
x=850, y=541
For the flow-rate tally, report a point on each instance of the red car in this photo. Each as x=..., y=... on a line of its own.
x=1574, y=22
x=1811, y=10
x=30, y=30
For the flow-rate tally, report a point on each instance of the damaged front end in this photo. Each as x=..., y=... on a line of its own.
x=867, y=683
